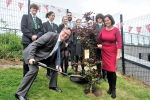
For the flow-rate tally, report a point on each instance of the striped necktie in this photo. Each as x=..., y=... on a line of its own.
x=100, y=26
x=58, y=54
x=52, y=25
x=35, y=22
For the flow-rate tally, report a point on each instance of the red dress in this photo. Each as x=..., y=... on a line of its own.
x=111, y=42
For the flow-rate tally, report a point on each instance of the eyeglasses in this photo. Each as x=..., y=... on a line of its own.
x=66, y=33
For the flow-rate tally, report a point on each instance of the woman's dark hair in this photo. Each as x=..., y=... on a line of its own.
x=33, y=5
x=99, y=16
x=48, y=14
x=111, y=18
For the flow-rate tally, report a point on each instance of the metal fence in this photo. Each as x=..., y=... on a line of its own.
x=136, y=49
x=12, y=13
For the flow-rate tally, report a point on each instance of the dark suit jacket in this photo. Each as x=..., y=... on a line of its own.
x=48, y=27
x=96, y=27
x=28, y=28
x=69, y=40
x=41, y=48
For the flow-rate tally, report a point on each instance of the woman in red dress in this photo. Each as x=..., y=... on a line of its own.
x=110, y=50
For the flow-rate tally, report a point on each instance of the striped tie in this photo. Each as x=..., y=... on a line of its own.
x=99, y=26
x=52, y=25
x=35, y=22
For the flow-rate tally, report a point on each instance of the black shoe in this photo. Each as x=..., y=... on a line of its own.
x=20, y=97
x=55, y=88
x=48, y=76
x=105, y=78
x=113, y=94
x=109, y=91
x=35, y=80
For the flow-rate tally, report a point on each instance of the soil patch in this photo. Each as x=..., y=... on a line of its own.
x=7, y=63
x=95, y=94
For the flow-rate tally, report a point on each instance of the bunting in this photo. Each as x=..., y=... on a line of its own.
x=39, y=8
x=46, y=7
x=74, y=17
x=52, y=6
x=119, y=26
x=59, y=10
x=138, y=29
x=148, y=27
x=130, y=28
x=8, y=2
x=20, y=5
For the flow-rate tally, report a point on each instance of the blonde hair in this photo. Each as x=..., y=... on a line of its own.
x=64, y=17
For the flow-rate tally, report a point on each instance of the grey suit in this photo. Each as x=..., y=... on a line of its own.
x=39, y=50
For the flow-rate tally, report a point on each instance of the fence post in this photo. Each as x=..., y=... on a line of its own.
x=123, y=63
x=67, y=10
x=28, y=7
x=140, y=56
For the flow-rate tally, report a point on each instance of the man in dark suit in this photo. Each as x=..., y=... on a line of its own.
x=43, y=50
x=98, y=27
x=32, y=29
x=72, y=24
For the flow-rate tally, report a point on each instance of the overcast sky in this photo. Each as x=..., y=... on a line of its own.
x=129, y=8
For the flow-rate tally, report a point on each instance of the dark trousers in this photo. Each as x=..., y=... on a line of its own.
x=98, y=56
x=64, y=58
x=25, y=66
x=77, y=59
x=111, y=76
x=72, y=57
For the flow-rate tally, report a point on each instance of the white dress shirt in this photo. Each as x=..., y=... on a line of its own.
x=56, y=47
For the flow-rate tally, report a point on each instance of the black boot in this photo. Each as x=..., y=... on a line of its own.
x=113, y=93
x=114, y=87
x=110, y=85
x=110, y=90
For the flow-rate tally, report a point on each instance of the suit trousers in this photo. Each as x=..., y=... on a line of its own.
x=25, y=66
x=31, y=75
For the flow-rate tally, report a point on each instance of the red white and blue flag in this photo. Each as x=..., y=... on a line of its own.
x=138, y=29
x=148, y=27
x=52, y=6
x=121, y=25
x=8, y=2
x=39, y=8
x=130, y=28
x=117, y=25
x=59, y=10
x=46, y=7
x=20, y=5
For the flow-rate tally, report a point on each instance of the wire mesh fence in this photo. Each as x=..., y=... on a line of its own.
x=136, y=48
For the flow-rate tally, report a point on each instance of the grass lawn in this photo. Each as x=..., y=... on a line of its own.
x=11, y=78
